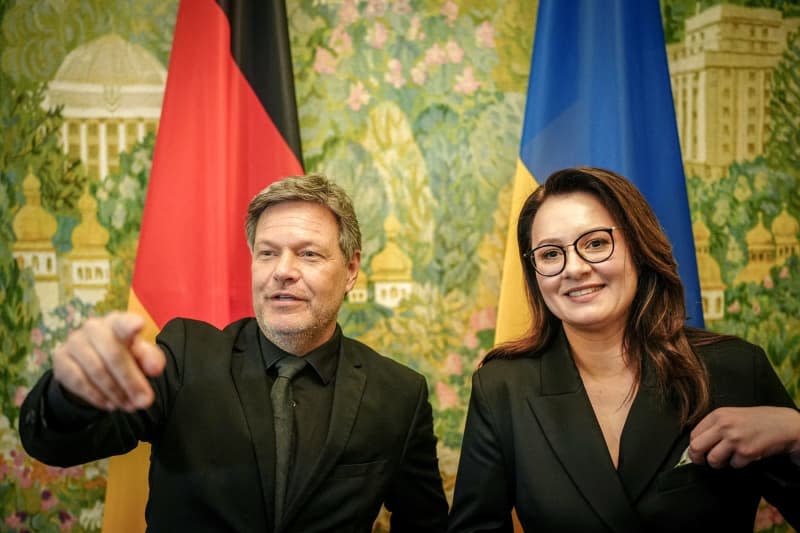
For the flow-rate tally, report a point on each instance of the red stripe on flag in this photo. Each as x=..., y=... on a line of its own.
x=216, y=147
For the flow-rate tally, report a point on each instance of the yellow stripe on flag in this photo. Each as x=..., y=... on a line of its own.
x=513, y=314
x=127, y=487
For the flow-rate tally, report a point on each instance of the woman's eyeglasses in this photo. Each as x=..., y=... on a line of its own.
x=594, y=246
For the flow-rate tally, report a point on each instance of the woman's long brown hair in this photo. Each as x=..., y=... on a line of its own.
x=656, y=327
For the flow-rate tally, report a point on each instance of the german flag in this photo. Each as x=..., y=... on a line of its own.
x=228, y=129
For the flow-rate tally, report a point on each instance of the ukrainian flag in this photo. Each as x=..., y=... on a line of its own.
x=599, y=94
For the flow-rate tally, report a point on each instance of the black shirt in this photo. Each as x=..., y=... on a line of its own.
x=312, y=391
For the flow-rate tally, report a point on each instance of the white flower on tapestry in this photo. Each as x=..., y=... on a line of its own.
x=395, y=75
x=128, y=187
x=118, y=216
x=141, y=162
x=359, y=96
x=466, y=82
x=92, y=518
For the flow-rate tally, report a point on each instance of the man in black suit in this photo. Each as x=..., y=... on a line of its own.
x=363, y=429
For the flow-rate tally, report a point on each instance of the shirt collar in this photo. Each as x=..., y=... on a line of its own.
x=323, y=359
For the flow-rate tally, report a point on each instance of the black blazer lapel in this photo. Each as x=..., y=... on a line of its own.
x=568, y=423
x=250, y=379
x=350, y=382
x=648, y=438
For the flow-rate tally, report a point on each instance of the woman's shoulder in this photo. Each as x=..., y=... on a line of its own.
x=713, y=347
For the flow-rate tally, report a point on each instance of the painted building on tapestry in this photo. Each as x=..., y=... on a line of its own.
x=721, y=75
x=721, y=84
x=111, y=92
x=391, y=281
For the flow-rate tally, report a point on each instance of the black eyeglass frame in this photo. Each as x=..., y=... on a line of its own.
x=529, y=257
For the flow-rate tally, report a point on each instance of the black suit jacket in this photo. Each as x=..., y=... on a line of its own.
x=532, y=442
x=212, y=437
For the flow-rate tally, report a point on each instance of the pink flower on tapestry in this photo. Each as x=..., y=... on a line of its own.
x=24, y=477
x=395, y=75
x=37, y=337
x=401, y=7
x=39, y=356
x=446, y=395
x=486, y=318
x=466, y=82
x=49, y=500
x=324, y=62
x=784, y=273
x=375, y=8
x=734, y=307
x=15, y=519
x=66, y=519
x=377, y=35
x=359, y=96
x=756, y=308
x=484, y=34
x=340, y=41
x=452, y=364
x=767, y=517
x=348, y=13
x=435, y=55
x=471, y=340
x=768, y=283
x=454, y=52
x=19, y=395
x=450, y=11
x=415, y=32
x=418, y=74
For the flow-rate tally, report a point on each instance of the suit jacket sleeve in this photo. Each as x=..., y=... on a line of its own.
x=416, y=498
x=779, y=476
x=483, y=496
x=91, y=433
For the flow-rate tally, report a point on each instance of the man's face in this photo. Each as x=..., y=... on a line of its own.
x=299, y=275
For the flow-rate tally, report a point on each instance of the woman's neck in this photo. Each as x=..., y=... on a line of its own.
x=597, y=354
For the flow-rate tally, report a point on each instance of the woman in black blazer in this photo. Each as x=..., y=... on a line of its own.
x=611, y=414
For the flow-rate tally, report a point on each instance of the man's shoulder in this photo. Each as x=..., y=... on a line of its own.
x=183, y=331
x=376, y=363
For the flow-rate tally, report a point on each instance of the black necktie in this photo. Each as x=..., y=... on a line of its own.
x=283, y=412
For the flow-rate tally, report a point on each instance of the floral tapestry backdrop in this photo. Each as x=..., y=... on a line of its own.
x=415, y=107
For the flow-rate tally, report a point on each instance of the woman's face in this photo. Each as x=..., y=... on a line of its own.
x=586, y=297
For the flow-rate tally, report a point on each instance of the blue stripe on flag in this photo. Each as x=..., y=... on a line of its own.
x=599, y=94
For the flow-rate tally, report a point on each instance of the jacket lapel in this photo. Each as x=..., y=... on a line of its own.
x=250, y=379
x=568, y=423
x=648, y=438
x=349, y=388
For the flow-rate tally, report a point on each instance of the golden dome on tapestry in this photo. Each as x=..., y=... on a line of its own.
x=89, y=234
x=110, y=60
x=759, y=235
x=785, y=225
x=391, y=264
x=32, y=223
x=701, y=232
x=709, y=272
x=361, y=281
